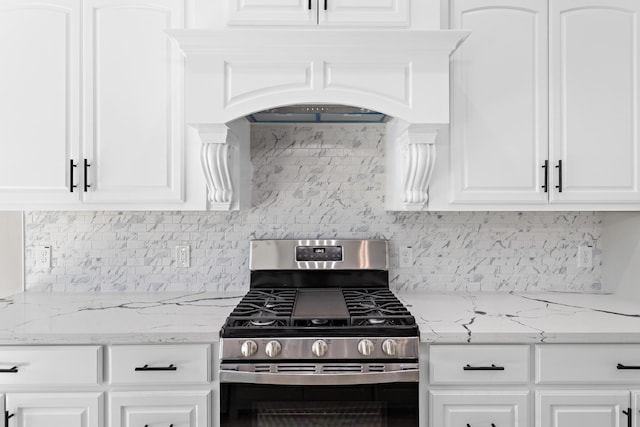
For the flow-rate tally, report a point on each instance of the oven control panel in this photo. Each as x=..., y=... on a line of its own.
x=319, y=253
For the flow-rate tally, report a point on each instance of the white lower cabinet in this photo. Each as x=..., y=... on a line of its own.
x=54, y=409
x=478, y=408
x=592, y=408
x=159, y=408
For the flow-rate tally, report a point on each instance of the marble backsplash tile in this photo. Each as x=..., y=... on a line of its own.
x=312, y=182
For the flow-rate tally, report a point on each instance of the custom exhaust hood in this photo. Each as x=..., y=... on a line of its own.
x=236, y=74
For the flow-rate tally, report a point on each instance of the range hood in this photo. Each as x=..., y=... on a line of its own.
x=318, y=113
x=236, y=73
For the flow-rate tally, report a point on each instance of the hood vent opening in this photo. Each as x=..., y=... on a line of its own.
x=318, y=113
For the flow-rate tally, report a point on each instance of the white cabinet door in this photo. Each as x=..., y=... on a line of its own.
x=635, y=408
x=594, y=80
x=478, y=408
x=582, y=408
x=133, y=136
x=382, y=13
x=159, y=409
x=55, y=409
x=39, y=100
x=271, y=12
x=499, y=102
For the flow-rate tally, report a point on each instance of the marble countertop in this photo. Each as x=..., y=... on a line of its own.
x=525, y=317
x=113, y=318
x=118, y=318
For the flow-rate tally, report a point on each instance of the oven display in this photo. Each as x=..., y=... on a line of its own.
x=318, y=253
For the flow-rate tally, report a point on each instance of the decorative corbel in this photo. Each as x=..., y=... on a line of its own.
x=419, y=146
x=411, y=155
x=217, y=141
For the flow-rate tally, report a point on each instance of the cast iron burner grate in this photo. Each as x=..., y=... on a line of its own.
x=271, y=311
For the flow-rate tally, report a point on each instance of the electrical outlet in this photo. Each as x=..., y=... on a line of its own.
x=585, y=256
x=43, y=257
x=406, y=256
x=183, y=256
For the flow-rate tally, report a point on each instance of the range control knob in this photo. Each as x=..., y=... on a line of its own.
x=248, y=348
x=389, y=347
x=273, y=348
x=319, y=348
x=365, y=347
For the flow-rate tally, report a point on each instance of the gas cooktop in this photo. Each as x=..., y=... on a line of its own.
x=321, y=312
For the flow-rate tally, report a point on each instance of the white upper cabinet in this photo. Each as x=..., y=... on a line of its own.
x=499, y=104
x=364, y=12
x=133, y=136
x=39, y=100
x=594, y=53
x=272, y=12
x=545, y=105
x=91, y=100
x=384, y=13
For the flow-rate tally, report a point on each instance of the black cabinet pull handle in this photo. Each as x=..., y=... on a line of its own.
x=86, y=175
x=171, y=367
x=71, y=184
x=483, y=368
x=310, y=6
x=545, y=187
x=6, y=418
x=147, y=425
x=559, y=167
x=492, y=425
x=628, y=414
x=13, y=370
x=325, y=4
x=621, y=366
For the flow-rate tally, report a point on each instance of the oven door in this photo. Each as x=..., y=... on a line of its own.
x=270, y=399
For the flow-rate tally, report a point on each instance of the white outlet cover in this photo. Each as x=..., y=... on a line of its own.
x=406, y=256
x=585, y=256
x=43, y=256
x=183, y=256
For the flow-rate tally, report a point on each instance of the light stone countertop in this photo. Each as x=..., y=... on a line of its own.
x=525, y=317
x=119, y=318
x=113, y=318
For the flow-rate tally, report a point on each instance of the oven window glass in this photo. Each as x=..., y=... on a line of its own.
x=372, y=405
x=320, y=414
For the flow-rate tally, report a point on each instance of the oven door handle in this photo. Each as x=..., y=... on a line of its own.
x=404, y=376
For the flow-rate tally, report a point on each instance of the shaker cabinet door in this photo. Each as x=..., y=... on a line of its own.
x=39, y=101
x=499, y=102
x=368, y=13
x=151, y=408
x=582, y=408
x=595, y=96
x=55, y=409
x=478, y=409
x=271, y=12
x=133, y=138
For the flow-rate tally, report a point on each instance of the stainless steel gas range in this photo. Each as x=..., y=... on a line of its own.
x=319, y=340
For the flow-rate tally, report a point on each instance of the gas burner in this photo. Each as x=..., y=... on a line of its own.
x=374, y=321
x=258, y=322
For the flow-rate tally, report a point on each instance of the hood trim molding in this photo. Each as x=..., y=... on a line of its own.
x=233, y=73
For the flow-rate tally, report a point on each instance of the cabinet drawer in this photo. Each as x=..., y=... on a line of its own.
x=588, y=363
x=50, y=365
x=159, y=364
x=479, y=364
